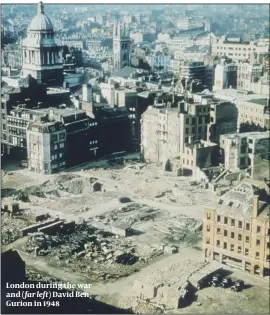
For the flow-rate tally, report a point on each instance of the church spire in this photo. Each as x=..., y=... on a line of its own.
x=40, y=8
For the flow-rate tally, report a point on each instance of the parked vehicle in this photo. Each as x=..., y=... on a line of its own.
x=226, y=282
x=216, y=280
x=205, y=281
x=238, y=285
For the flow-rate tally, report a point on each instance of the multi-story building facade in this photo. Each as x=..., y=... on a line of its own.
x=236, y=49
x=251, y=115
x=192, y=71
x=253, y=78
x=137, y=37
x=223, y=119
x=236, y=229
x=241, y=150
x=15, y=105
x=115, y=130
x=177, y=134
x=81, y=131
x=264, y=60
x=159, y=61
x=191, y=53
x=209, y=77
x=225, y=75
x=46, y=147
x=248, y=74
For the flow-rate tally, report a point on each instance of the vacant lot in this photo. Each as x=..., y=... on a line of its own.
x=163, y=210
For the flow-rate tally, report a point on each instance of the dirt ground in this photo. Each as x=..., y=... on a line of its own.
x=165, y=209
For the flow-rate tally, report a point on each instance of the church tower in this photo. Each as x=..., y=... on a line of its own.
x=121, y=46
x=42, y=55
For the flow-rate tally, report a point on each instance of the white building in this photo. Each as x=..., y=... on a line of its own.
x=137, y=37
x=163, y=37
x=242, y=150
x=250, y=78
x=237, y=49
x=225, y=75
x=159, y=61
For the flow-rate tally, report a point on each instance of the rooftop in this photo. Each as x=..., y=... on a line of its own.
x=126, y=72
x=240, y=200
x=234, y=94
x=41, y=22
x=261, y=101
x=254, y=135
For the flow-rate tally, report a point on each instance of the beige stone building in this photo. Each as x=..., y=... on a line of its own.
x=251, y=77
x=251, y=113
x=236, y=229
x=237, y=49
x=164, y=132
x=46, y=147
x=177, y=137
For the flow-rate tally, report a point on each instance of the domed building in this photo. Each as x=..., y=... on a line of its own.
x=42, y=52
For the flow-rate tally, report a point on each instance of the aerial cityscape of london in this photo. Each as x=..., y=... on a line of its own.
x=135, y=154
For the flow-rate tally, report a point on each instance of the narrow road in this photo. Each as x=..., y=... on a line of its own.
x=124, y=286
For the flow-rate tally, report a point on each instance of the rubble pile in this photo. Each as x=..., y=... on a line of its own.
x=130, y=214
x=41, y=241
x=65, y=242
x=9, y=236
x=11, y=225
x=113, y=250
x=180, y=229
x=88, y=242
x=21, y=196
x=61, y=186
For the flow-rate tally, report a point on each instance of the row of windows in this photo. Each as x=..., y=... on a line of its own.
x=19, y=123
x=236, y=48
x=187, y=161
x=61, y=145
x=239, y=250
x=194, y=138
x=54, y=138
x=240, y=237
x=233, y=222
x=54, y=156
x=193, y=130
x=230, y=54
x=226, y=219
x=193, y=120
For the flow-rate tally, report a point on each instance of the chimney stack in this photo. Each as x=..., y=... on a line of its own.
x=255, y=206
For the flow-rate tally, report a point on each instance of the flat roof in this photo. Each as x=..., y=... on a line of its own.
x=231, y=94
x=260, y=101
x=254, y=135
